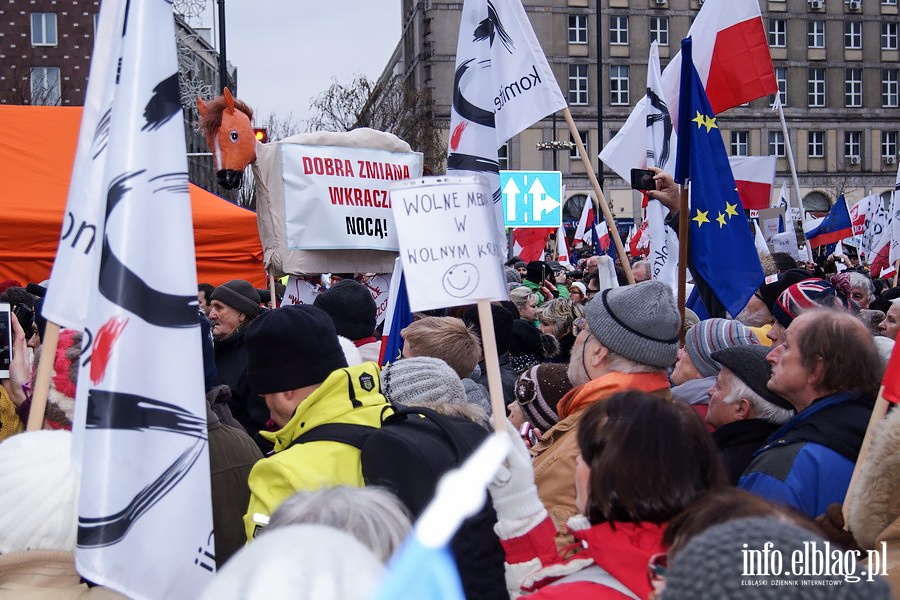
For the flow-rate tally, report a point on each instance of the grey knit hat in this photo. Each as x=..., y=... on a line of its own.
x=420, y=381
x=639, y=322
x=748, y=363
x=711, y=335
x=712, y=565
x=239, y=295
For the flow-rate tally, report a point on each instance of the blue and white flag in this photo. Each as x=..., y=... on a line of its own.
x=144, y=513
x=397, y=316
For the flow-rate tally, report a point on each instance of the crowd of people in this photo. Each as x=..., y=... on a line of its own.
x=642, y=466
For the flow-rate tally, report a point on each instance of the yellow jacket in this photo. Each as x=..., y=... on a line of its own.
x=351, y=395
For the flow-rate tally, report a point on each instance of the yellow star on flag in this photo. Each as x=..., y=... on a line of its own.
x=700, y=120
x=701, y=217
x=730, y=210
x=721, y=220
x=710, y=123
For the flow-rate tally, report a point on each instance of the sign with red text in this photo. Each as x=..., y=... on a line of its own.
x=337, y=197
x=449, y=243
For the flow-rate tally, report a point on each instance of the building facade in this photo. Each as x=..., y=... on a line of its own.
x=836, y=62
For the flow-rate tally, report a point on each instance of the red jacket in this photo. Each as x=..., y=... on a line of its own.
x=622, y=550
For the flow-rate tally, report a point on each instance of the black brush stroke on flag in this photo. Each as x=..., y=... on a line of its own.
x=492, y=26
x=469, y=162
x=653, y=118
x=131, y=412
x=121, y=286
x=101, y=133
x=164, y=104
x=97, y=532
x=463, y=107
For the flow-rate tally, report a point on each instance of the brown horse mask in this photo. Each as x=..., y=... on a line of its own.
x=227, y=124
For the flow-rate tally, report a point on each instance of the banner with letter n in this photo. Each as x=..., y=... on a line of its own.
x=531, y=198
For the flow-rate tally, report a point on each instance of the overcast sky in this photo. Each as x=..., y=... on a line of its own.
x=287, y=51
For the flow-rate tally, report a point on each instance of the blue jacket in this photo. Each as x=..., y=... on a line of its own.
x=807, y=463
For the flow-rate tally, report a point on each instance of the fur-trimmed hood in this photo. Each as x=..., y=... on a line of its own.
x=875, y=503
x=463, y=410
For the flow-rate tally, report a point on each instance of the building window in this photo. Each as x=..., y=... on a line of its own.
x=578, y=29
x=853, y=88
x=889, y=2
x=618, y=85
x=815, y=34
x=888, y=143
x=781, y=80
x=578, y=84
x=852, y=143
x=852, y=35
x=43, y=29
x=45, y=90
x=503, y=156
x=740, y=143
x=889, y=88
x=573, y=152
x=889, y=35
x=815, y=144
x=618, y=30
x=815, y=87
x=776, y=143
x=777, y=33
x=659, y=30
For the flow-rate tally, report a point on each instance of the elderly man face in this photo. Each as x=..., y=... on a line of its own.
x=721, y=413
x=888, y=327
x=860, y=295
x=225, y=319
x=790, y=378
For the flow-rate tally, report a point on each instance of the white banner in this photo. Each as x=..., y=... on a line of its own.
x=299, y=291
x=379, y=286
x=337, y=198
x=449, y=247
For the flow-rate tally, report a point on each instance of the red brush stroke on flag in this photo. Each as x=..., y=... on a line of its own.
x=457, y=135
x=102, y=349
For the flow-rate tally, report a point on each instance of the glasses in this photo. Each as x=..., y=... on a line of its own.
x=590, y=292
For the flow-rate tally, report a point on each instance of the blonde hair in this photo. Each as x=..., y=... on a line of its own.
x=446, y=338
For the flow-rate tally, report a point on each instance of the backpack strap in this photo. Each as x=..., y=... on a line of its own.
x=439, y=420
x=346, y=433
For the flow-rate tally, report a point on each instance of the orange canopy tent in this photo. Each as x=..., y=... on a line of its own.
x=37, y=150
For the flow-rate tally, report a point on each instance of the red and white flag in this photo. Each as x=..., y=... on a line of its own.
x=586, y=222
x=602, y=230
x=530, y=243
x=562, y=249
x=894, y=254
x=755, y=178
x=731, y=55
x=858, y=214
x=502, y=85
x=145, y=524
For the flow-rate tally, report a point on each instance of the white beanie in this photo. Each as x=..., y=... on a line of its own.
x=309, y=561
x=422, y=381
x=39, y=492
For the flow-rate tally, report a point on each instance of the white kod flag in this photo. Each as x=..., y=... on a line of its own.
x=894, y=255
x=144, y=514
x=502, y=85
x=79, y=245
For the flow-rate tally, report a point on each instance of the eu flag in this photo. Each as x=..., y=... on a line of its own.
x=721, y=251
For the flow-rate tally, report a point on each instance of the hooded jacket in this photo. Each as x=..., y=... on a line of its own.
x=349, y=395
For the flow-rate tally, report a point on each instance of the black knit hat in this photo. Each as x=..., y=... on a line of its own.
x=775, y=284
x=351, y=307
x=748, y=363
x=291, y=347
x=239, y=295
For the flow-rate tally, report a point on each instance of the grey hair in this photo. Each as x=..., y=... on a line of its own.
x=373, y=515
x=561, y=313
x=521, y=295
x=764, y=409
x=859, y=280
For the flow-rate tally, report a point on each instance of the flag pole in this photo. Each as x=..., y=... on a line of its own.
x=683, y=214
x=492, y=364
x=272, y=299
x=42, y=379
x=601, y=200
x=790, y=154
x=878, y=413
x=897, y=267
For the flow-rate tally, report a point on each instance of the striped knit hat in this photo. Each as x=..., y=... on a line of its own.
x=712, y=335
x=539, y=390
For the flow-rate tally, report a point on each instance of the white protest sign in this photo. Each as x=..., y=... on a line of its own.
x=379, y=285
x=299, y=291
x=448, y=241
x=336, y=197
x=786, y=242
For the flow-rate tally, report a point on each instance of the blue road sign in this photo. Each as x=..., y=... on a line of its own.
x=531, y=198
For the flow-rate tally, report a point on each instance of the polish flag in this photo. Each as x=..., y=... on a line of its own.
x=562, y=250
x=583, y=230
x=731, y=55
x=529, y=242
x=602, y=230
x=858, y=214
x=639, y=245
x=755, y=178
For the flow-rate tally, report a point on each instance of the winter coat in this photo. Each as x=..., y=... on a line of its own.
x=808, y=461
x=612, y=563
x=231, y=364
x=350, y=395
x=46, y=575
x=556, y=451
x=738, y=441
x=231, y=456
x=874, y=511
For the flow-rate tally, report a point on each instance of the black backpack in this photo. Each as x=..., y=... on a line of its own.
x=408, y=454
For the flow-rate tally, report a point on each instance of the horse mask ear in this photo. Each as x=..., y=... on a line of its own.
x=201, y=106
x=229, y=101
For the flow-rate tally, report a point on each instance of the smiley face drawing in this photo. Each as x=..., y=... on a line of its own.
x=460, y=280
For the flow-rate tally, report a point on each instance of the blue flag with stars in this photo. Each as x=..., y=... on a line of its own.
x=721, y=251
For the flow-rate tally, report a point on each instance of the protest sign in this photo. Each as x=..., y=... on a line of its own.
x=448, y=241
x=299, y=290
x=379, y=286
x=771, y=221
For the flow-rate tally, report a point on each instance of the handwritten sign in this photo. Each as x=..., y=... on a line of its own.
x=299, y=291
x=448, y=241
x=337, y=197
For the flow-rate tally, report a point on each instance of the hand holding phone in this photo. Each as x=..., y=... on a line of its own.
x=642, y=179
